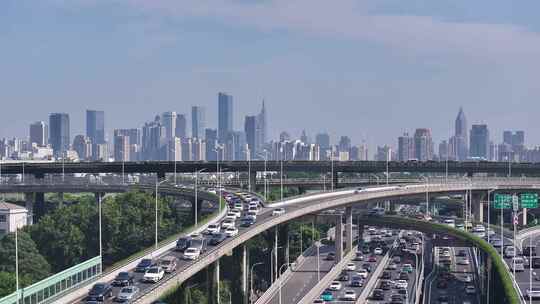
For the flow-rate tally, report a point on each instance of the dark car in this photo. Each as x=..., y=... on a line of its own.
x=367, y=267
x=330, y=256
x=123, y=279
x=403, y=276
x=385, y=285
x=217, y=239
x=462, y=253
x=386, y=275
x=343, y=278
x=99, y=293
x=378, y=294
x=357, y=281
x=143, y=265
x=182, y=244
x=247, y=222
x=366, y=250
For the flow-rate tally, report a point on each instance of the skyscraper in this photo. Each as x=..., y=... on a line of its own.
x=121, y=148
x=344, y=144
x=323, y=140
x=168, y=120
x=461, y=140
x=153, y=139
x=39, y=133
x=225, y=116
x=83, y=145
x=181, y=126
x=211, y=141
x=262, y=127
x=59, y=133
x=405, y=147
x=479, y=141
x=250, y=128
x=197, y=121
x=423, y=144
x=95, y=126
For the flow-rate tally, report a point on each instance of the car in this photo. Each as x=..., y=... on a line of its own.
x=330, y=256
x=154, y=274
x=509, y=252
x=254, y=210
x=318, y=301
x=350, y=267
x=127, y=294
x=372, y=259
x=362, y=273
x=386, y=275
x=357, y=281
x=359, y=256
x=462, y=253
x=385, y=285
x=367, y=267
x=407, y=268
x=343, y=277
x=467, y=278
x=335, y=285
x=366, y=250
x=182, y=244
x=378, y=251
x=217, y=238
x=377, y=294
x=238, y=206
x=278, y=211
x=396, y=259
x=143, y=265
x=100, y=292
x=327, y=296
x=191, y=253
x=443, y=299
x=533, y=294
x=403, y=276
x=463, y=261
x=227, y=223
x=231, y=231
x=496, y=243
x=401, y=284
x=391, y=266
x=349, y=295
x=470, y=289
x=517, y=264
x=212, y=229
x=230, y=216
x=123, y=278
x=247, y=221
x=168, y=263
x=236, y=212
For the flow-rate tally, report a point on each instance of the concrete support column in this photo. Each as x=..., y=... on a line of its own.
x=29, y=203
x=274, y=265
x=339, y=238
x=39, y=205
x=245, y=271
x=477, y=208
x=348, y=229
x=253, y=181
x=199, y=207
x=213, y=278
x=239, y=282
x=524, y=223
x=60, y=198
x=335, y=179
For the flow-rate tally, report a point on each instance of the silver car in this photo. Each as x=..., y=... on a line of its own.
x=127, y=294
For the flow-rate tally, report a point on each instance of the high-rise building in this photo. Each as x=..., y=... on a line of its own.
x=235, y=146
x=225, y=116
x=197, y=121
x=83, y=146
x=174, y=149
x=262, y=127
x=384, y=153
x=304, y=138
x=95, y=126
x=423, y=144
x=479, y=146
x=344, y=144
x=210, y=146
x=443, y=150
x=405, y=147
x=250, y=128
x=133, y=134
x=59, y=133
x=168, y=120
x=121, y=148
x=284, y=136
x=461, y=140
x=508, y=137
x=39, y=133
x=181, y=126
x=153, y=140
x=323, y=140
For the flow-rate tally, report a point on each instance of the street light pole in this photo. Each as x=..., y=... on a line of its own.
x=100, y=236
x=281, y=178
x=251, y=282
x=16, y=262
x=249, y=168
x=387, y=160
x=332, y=166
x=489, y=211
x=196, y=193
x=318, y=245
x=280, y=270
x=156, y=209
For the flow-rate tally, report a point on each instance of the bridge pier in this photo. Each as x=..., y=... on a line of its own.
x=29, y=203
x=39, y=205
x=212, y=281
x=335, y=180
x=239, y=284
x=348, y=229
x=199, y=208
x=252, y=186
x=477, y=208
x=339, y=238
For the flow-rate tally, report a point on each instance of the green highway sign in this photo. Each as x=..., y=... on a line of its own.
x=502, y=201
x=529, y=200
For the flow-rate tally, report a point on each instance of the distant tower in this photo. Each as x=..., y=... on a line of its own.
x=480, y=141
x=197, y=122
x=461, y=138
x=95, y=126
x=225, y=116
x=59, y=133
x=423, y=144
x=262, y=126
x=39, y=133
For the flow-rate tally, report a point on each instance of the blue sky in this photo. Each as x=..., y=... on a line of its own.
x=369, y=69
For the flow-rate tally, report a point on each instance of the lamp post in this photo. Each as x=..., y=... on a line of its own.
x=332, y=166
x=100, y=235
x=218, y=172
x=196, y=192
x=265, y=155
x=387, y=160
x=156, y=207
x=248, y=156
x=251, y=281
x=427, y=193
x=281, y=173
x=489, y=211
x=280, y=270
x=318, y=244
x=272, y=263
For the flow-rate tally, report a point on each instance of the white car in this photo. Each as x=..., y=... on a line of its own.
x=392, y=266
x=349, y=295
x=350, y=267
x=336, y=285
x=254, y=210
x=463, y=261
x=401, y=284
x=236, y=212
x=213, y=229
x=192, y=253
x=533, y=294
x=230, y=216
x=227, y=224
x=470, y=289
x=153, y=274
x=278, y=211
x=363, y=273
x=517, y=264
x=231, y=231
x=509, y=252
x=378, y=251
x=466, y=278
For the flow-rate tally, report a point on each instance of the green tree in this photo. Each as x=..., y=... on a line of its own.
x=7, y=283
x=32, y=265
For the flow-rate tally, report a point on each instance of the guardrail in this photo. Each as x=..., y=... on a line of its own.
x=420, y=281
